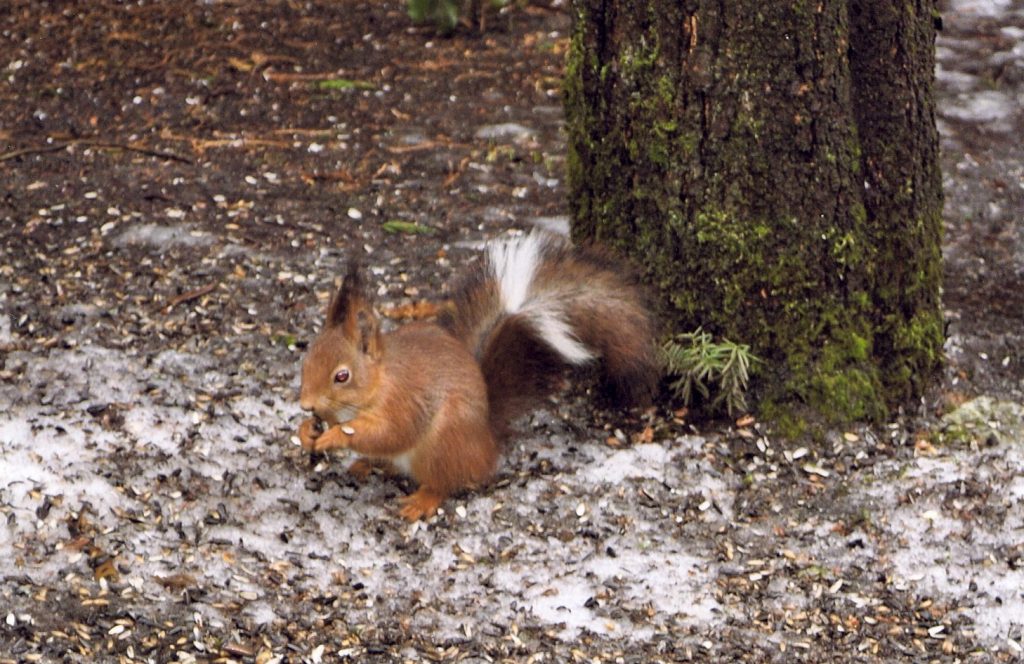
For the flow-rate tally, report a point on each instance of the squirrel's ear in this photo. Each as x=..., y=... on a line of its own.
x=351, y=311
x=345, y=306
x=369, y=333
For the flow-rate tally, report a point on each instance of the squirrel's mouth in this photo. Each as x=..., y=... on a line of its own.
x=337, y=415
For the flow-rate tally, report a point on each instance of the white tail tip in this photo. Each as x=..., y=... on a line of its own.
x=514, y=264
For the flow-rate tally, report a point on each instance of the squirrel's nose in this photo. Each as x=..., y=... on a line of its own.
x=306, y=404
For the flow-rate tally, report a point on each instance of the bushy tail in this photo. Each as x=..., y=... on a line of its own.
x=537, y=304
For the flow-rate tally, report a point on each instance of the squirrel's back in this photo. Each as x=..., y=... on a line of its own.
x=536, y=304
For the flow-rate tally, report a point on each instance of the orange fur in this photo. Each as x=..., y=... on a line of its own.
x=432, y=400
x=362, y=467
x=422, y=396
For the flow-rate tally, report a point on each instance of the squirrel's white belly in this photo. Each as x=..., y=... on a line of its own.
x=403, y=462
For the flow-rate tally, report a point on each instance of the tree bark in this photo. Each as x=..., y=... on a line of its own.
x=773, y=168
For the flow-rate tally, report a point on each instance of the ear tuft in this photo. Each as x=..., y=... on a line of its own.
x=352, y=312
x=349, y=299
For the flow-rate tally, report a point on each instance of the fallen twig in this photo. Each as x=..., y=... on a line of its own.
x=88, y=142
x=189, y=296
x=200, y=145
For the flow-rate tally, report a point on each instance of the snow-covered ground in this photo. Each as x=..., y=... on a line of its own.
x=176, y=486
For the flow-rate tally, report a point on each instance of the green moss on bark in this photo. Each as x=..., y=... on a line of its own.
x=728, y=162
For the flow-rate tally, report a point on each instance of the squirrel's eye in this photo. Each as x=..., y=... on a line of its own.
x=342, y=376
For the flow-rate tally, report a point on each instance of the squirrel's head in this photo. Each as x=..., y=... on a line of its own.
x=340, y=371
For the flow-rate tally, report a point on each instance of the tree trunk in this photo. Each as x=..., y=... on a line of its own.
x=773, y=167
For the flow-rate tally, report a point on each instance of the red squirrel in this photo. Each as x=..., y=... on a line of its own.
x=433, y=400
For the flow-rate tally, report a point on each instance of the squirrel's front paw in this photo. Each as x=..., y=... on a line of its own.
x=309, y=431
x=334, y=438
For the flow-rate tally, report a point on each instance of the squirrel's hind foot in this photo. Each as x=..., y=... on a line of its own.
x=420, y=505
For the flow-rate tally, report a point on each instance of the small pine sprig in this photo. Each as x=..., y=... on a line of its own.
x=700, y=365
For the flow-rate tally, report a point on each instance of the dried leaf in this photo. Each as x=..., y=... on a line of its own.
x=106, y=570
x=179, y=581
x=343, y=84
x=645, y=436
x=394, y=226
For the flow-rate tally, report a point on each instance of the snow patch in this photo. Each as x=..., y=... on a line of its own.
x=992, y=107
x=160, y=237
x=668, y=582
x=512, y=130
x=939, y=552
x=642, y=461
x=979, y=7
x=5, y=327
